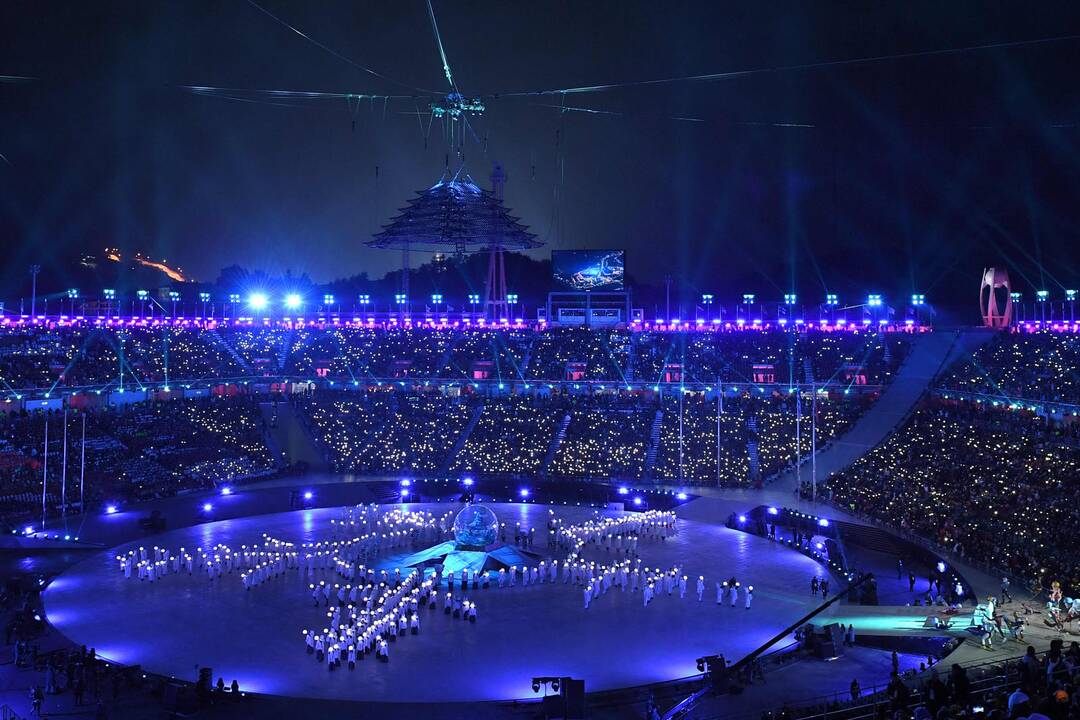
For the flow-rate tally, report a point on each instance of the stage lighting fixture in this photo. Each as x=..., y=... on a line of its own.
x=406, y=482
x=404, y=492
x=207, y=507
x=308, y=495
x=637, y=501
x=823, y=522
x=258, y=301
x=536, y=686
x=110, y=509
x=773, y=511
x=680, y=496
x=29, y=530
x=623, y=491
x=941, y=567
x=226, y=490
x=523, y=492
x=555, y=685
x=292, y=301
x=701, y=664
x=467, y=482
x=742, y=518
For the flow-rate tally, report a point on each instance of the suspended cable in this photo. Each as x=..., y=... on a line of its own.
x=336, y=54
x=438, y=41
x=787, y=68
x=288, y=94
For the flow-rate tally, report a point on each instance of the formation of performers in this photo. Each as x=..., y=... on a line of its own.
x=367, y=609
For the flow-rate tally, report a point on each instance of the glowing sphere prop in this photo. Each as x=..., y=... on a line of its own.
x=475, y=526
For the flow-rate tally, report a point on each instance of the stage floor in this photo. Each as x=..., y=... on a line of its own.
x=175, y=625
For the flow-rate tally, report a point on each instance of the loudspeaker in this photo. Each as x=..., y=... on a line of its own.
x=827, y=648
x=179, y=699
x=574, y=693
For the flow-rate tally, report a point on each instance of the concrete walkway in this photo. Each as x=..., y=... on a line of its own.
x=897, y=401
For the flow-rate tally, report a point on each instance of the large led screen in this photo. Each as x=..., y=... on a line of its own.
x=580, y=270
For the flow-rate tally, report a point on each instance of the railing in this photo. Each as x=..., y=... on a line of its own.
x=871, y=694
x=688, y=704
x=6, y=713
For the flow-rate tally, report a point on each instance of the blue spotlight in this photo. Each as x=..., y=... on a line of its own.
x=308, y=494
x=110, y=509
x=680, y=496
x=823, y=522
x=467, y=482
x=292, y=301
x=624, y=491
x=258, y=301
x=207, y=507
x=637, y=501
x=226, y=490
x=773, y=511
x=523, y=492
x=742, y=518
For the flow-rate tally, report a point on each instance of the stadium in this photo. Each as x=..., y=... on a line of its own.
x=456, y=464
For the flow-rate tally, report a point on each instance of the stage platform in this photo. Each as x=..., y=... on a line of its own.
x=178, y=624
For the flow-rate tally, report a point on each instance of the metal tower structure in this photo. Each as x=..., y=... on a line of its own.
x=458, y=216
x=495, y=305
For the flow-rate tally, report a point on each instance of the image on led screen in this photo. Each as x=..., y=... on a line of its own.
x=579, y=270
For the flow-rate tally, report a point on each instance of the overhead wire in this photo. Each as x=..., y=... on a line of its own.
x=333, y=52
x=788, y=68
x=439, y=43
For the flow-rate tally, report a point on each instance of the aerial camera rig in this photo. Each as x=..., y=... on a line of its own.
x=456, y=105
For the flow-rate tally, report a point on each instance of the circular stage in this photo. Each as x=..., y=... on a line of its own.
x=176, y=624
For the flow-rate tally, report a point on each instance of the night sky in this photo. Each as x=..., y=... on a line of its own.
x=916, y=173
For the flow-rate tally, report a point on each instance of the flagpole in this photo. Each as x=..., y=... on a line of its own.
x=63, y=476
x=82, y=469
x=45, y=471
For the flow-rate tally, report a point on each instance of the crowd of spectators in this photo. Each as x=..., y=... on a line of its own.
x=133, y=452
x=757, y=434
x=1038, y=366
x=609, y=435
x=511, y=437
x=996, y=485
x=75, y=356
x=1037, y=686
x=385, y=432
